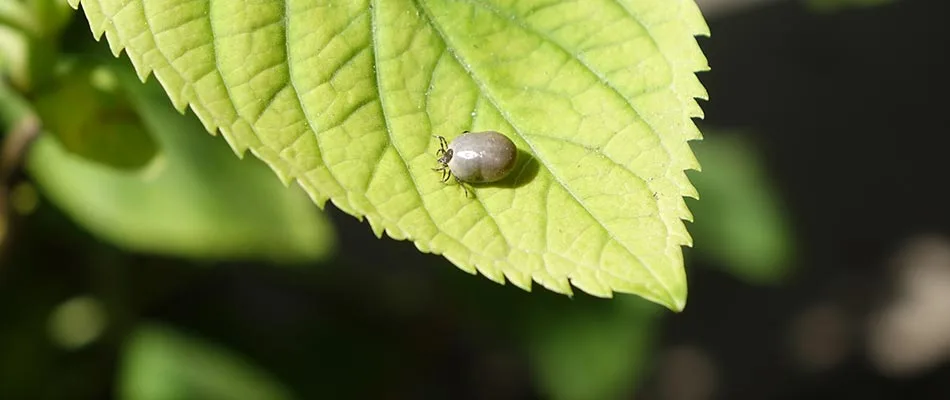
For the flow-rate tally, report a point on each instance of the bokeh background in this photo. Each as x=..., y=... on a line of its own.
x=821, y=268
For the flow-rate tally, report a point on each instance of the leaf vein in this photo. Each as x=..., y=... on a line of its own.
x=377, y=82
x=510, y=120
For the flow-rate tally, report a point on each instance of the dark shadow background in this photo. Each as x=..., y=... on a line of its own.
x=849, y=109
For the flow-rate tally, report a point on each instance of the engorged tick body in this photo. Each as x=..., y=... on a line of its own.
x=477, y=157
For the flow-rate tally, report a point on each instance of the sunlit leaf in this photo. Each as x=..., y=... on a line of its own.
x=345, y=96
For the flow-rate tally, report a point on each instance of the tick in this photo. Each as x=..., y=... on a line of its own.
x=476, y=157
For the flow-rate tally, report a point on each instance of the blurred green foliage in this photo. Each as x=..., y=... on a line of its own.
x=196, y=199
x=740, y=222
x=160, y=363
x=30, y=40
x=92, y=116
x=592, y=352
x=77, y=322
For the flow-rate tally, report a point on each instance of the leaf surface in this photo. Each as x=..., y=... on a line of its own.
x=345, y=96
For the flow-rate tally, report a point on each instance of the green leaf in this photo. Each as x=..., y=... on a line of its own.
x=92, y=117
x=14, y=108
x=29, y=35
x=35, y=18
x=159, y=363
x=14, y=56
x=741, y=223
x=195, y=200
x=17, y=15
x=344, y=97
x=591, y=353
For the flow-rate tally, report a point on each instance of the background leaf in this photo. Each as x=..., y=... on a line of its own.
x=162, y=364
x=91, y=116
x=592, y=352
x=195, y=200
x=14, y=55
x=344, y=98
x=29, y=34
x=744, y=226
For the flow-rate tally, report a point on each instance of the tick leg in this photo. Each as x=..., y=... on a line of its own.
x=445, y=173
x=442, y=143
x=464, y=188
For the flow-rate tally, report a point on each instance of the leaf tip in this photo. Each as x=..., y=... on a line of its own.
x=675, y=298
x=677, y=305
